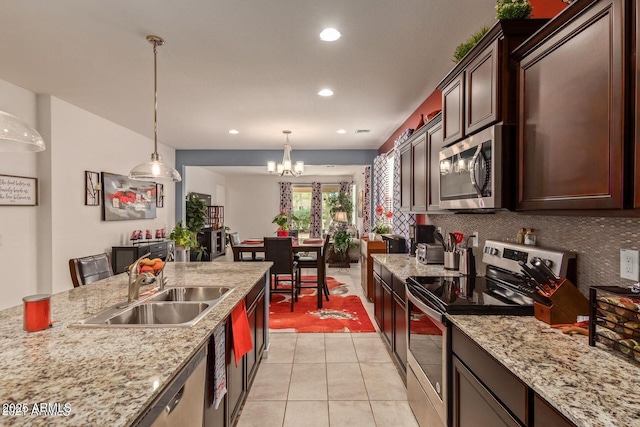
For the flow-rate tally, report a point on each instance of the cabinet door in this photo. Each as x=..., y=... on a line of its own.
x=571, y=129
x=405, y=177
x=235, y=380
x=473, y=404
x=481, y=90
x=546, y=416
x=378, y=301
x=400, y=331
x=419, y=173
x=453, y=110
x=251, y=355
x=436, y=143
x=387, y=314
x=260, y=328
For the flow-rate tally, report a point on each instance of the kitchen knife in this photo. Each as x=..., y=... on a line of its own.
x=545, y=268
x=438, y=236
x=453, y=240
x=538, y=280
x=549, y=281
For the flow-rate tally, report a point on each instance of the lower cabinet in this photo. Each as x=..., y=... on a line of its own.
x=400, y=331
x=240, y=377
x=387, y=314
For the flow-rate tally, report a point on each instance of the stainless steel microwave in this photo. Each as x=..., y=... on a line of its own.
x=475, y=173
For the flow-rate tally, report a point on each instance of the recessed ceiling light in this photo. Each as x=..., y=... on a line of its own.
x=234, y=132
x=341, y=131
x=330, y=34
x=325, y=92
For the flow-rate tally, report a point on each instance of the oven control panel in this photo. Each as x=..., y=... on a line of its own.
x=506, y=256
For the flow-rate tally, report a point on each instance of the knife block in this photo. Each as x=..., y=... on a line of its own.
x=567, y=303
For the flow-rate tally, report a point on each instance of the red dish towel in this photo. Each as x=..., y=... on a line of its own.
x=242, y=341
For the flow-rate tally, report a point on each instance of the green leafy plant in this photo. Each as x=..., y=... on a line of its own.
x=513, y=9
x=340, y=202
x=196, y=214
x=284, y=220
x=464, y=47
x=342, y=241
x=382, y=228
x=183, y=236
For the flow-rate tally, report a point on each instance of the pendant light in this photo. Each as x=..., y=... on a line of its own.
x=286, y=167
x=155, y=169
x=16, y=135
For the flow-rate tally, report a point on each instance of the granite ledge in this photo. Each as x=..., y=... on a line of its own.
x=403, y=266
x=591, y=386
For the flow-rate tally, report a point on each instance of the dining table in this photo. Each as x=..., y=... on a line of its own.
x=254, y=246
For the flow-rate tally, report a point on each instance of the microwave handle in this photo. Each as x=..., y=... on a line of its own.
x=472, y=171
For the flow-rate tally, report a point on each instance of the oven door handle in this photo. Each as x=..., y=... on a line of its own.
x=429, y=311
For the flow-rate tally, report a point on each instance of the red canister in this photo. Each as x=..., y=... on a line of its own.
x=37, y=312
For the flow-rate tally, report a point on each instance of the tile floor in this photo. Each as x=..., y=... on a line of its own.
x=321, y=380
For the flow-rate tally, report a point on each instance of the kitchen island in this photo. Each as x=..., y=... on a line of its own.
x=589, y=386
x=106, y=376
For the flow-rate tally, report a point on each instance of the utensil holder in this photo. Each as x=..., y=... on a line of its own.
x=451, y=260
x=567, y=303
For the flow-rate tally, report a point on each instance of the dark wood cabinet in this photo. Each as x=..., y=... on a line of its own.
x=573, y=88
x=435, y=143
x=214, y=243
x=481, y=89
x=419, y=171
x=236, y=380
x=473, y=404
x=400, y=331
x=123, y=256
x=387, y=314
x=546, y=416
x=366, y=264
x=405, y=177
x=378, y=301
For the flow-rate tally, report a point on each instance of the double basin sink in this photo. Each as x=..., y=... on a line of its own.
x=171, y=307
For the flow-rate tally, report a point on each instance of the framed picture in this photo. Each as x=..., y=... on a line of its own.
x=125, y=199
x=92, y=188
x=159, y=195
x=18, y=191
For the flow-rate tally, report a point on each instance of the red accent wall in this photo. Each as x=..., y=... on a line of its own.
x=541, y=9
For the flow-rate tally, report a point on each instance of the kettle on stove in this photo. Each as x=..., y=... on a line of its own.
x=467, y=266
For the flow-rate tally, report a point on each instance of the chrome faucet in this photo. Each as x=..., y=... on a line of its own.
x=134, y=285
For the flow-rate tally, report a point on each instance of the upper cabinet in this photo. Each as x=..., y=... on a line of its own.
x=573, y=89
x=481, y=89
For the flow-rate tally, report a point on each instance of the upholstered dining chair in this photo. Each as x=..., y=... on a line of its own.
x=310, y=261
x=279, y=250
x=89, y=269
x=234, y=239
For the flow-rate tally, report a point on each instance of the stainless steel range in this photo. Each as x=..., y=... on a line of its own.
x=505, y=289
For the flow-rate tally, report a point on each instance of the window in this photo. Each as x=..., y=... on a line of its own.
x=302, y=206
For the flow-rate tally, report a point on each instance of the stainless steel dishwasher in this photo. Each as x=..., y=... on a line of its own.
x=182, y=403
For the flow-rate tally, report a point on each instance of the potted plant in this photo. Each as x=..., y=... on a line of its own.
x=342, y=241
x=196, y=221
x=513, y=9
x=340, y=202
x=381, y=228
x=185, y=239
x=283, y=220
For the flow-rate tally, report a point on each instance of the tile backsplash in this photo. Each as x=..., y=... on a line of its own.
x=596, y=241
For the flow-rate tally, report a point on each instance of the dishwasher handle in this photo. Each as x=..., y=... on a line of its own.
x=175, y=400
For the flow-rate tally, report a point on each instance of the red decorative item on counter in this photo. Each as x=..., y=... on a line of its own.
x=283, y=233
x=148, y=235
x=37, y=312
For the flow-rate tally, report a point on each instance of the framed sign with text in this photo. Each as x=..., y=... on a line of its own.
x=18, y=191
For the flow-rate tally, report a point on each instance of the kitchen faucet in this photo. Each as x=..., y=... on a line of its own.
x=134, y=285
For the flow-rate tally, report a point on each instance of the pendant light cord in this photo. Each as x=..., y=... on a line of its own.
x=156, y=41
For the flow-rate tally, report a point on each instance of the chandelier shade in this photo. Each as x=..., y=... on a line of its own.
x=16, y=135
x=287, y=167
x=155, y=169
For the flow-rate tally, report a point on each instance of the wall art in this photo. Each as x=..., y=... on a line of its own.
x=92, y=188
x=125, y=199
x=18, y=191
x=160, y=195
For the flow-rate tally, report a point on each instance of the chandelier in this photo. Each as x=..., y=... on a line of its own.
x=156, y=168
x=286, y=167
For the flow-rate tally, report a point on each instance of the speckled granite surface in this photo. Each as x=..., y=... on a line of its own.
x=589, y=385
x=404, y=266
x=106, y=376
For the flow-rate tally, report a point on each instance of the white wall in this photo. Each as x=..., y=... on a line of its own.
x=252, y=201
x=201, y=180
x=37, y=242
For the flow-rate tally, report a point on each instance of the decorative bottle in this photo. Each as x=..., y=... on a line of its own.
x=529, y=237
x=520, y=236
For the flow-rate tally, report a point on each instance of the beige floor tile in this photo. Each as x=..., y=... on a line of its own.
x=383, y=381
x=308, y=381
x=262, y=414
x=350, y=414
x=307, y=413
x=345, y=382
x=393, y=414
x=282, y=347
x=371, y=350
x=358, y=335
x=310, y=349
x=339, y=348
x=271, y=382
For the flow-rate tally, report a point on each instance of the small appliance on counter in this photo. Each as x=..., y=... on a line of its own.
x=420, y=233
x=395, y=244
x=430, y=253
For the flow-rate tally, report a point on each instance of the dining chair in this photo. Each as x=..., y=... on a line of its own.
x=234, y=239
x=310, y=261
x=89, y=269
x=279, y=250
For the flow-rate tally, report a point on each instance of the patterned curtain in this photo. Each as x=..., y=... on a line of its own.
x=346, y=187
x=286, y=197
x=379, y=184
x=401, y=220
x=366, y=203
x=315, y=223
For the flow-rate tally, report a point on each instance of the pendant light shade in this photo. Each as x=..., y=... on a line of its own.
x=156, y=169
x=16, y=135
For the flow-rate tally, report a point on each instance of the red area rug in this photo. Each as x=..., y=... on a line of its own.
x=342, y=313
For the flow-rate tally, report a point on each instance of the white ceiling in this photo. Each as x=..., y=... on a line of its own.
x=252, y=65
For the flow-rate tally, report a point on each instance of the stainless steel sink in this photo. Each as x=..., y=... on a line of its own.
x=169, y=308
x=191, y=294
x=159, y=313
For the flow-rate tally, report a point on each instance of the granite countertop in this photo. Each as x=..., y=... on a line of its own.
x=106, y=376
x=591, y=386
x=403, y=266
